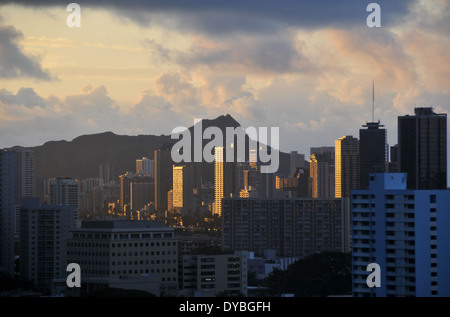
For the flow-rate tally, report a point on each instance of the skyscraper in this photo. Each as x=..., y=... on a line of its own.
x=224, y=179
x=43, y=249
x=183, y=188
x=346, y=166
x=142, y=191
x=163, y=176
x=296, y=160
x=7, y=210
x=65, y=192
x=322, y=174
x=372, y=152
x=125, y=194
x=422, y=149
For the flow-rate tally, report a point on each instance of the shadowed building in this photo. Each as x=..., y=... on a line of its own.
x=422, y=149
x=372, y=152
x=346, y=166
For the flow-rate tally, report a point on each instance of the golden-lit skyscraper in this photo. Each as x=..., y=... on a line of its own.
x=322, y=175
x=346, y=166
x=183, y=188
x=224, y=179
x=218, y=179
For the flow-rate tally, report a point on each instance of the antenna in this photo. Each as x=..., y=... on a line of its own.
x=373, y=101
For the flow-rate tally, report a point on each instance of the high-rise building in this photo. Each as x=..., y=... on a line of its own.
x=125, y=197
x=224, y=179
x=43, y=249
x=90, y=194
x=321, y=169
x=346, y=166
x=422, y=149
x=107, y=172
x=142, y=191
x=145, y=166
x=405, y=232
x=24, y=182
x=126, y=249
x=65, y=192
x=372, y=152
x=183, y=188
x=293, y=227
x=393, y=159
x=296, y=160
x=163, y=176
x=7, y=211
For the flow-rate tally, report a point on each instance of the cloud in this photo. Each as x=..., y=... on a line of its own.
x=13, y=62
x=25, y=96
x=242, y=54
x=231, y=16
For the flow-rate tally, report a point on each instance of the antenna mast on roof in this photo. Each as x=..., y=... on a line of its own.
x=373, y=101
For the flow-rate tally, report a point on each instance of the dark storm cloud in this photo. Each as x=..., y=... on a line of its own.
x=226, y=16
x=13, y=62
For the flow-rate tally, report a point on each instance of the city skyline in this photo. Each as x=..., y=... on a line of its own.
x=90, y=168
x=131, y=69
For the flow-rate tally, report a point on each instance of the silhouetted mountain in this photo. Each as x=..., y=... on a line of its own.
x=81, y=157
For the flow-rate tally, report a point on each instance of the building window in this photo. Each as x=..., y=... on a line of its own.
x=432, y=199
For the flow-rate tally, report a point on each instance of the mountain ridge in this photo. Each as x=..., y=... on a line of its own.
x=81, y=157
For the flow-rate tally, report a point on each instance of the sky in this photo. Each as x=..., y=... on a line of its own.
x=146, y=67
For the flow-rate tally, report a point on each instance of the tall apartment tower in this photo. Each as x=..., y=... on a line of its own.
x=224, y=179
x=125, y=193
x=65, y=192
x=372, y=152
x=183, y=188
x=163, y=169
x=43, y=249
x=142, y=191
x=346, y=166
x=404, y=231
x=321, y=168
x=7, y=211
x=422, y=149
x=296, y=160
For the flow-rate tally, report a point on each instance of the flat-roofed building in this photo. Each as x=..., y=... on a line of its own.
x=126, y=249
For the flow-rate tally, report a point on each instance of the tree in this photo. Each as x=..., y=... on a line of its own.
x=320, y=274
